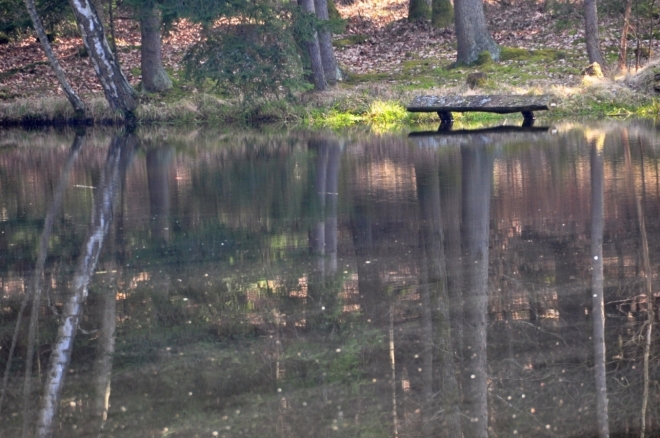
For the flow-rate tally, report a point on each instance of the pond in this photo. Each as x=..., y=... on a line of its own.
x=319, y=284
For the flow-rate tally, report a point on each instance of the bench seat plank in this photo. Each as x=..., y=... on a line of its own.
x=500, y=104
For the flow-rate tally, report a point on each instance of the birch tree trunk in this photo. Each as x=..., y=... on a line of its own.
x=118, y=92
x=154, y=76
x=72, y=310
x=71, y=95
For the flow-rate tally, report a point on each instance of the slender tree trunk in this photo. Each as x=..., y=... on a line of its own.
x=72, y=311
x=74, y=99
x=591, y=33
x=622, y=66
x=118, y=92
x=154, y=76
x=314, y=51
x=442, y=13
x=472, y=33
x=598, y=312
x=325, y=44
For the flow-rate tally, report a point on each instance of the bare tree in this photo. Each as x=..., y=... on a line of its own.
x=74, y=99
x=623, y=45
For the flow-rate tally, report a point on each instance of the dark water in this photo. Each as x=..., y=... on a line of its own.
x=196, y=284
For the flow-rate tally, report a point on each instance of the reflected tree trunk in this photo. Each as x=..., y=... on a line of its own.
x=598, y=307
x=437, y=341
x=158, y=170
x=331, y=197
x=34, y=292
x=323, y=235
x=648, y=273
x=450, y=199
x=102, y=214
x=477, y=171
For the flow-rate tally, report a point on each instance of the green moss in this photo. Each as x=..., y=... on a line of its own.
x=484, y=58
x=542, y=55
x=350, y=40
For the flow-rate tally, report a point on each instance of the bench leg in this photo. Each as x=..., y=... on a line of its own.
x=446, y=117
x=529, y=118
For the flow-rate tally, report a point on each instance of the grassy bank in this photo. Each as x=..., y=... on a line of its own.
x=378, y=99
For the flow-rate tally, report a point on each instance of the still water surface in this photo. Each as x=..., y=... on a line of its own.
x=196, y=284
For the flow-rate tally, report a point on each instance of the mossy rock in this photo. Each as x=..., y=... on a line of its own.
x=476, y=80
x=593, y=70
x=484, y=58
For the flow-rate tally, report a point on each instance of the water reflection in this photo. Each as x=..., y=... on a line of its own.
x=314, y=284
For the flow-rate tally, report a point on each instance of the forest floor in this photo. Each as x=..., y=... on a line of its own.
x=379, y=48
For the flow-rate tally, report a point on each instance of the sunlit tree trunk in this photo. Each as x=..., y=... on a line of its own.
x=154, y=76
x=477, y=171
x=591, y=33
x=102, y=213
x=314, y=51
x=325, y=44
x=622, y=66
x=472, y=33
x=598, y=312
x=71, y=95
x=118, y=92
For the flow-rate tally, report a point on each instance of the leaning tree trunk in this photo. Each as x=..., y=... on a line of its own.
x=314, y=51
x=591, y=33
x=74, y=99
x=472, y=33
x=119, y=93
x=325, y=43
x=154, y=76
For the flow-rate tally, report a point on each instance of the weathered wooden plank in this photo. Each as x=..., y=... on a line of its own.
x=500, y=104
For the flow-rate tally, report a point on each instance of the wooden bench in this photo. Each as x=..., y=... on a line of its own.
x=500, y=104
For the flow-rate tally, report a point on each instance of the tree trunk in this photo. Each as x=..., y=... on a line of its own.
x=102, y=213
x=154, y=76
x=591, y=33
x=477, y=171
x=325, y=44
x=314, y=51
x=598, y=306
x=74, y=99
x=118, y=92
x=419, y=10
x=623, y=46
x=472, y=33
x=442, y=13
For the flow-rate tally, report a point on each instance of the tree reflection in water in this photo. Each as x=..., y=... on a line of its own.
x=313, y=284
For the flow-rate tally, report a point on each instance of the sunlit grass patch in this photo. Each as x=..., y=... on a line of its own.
x=384, y=113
